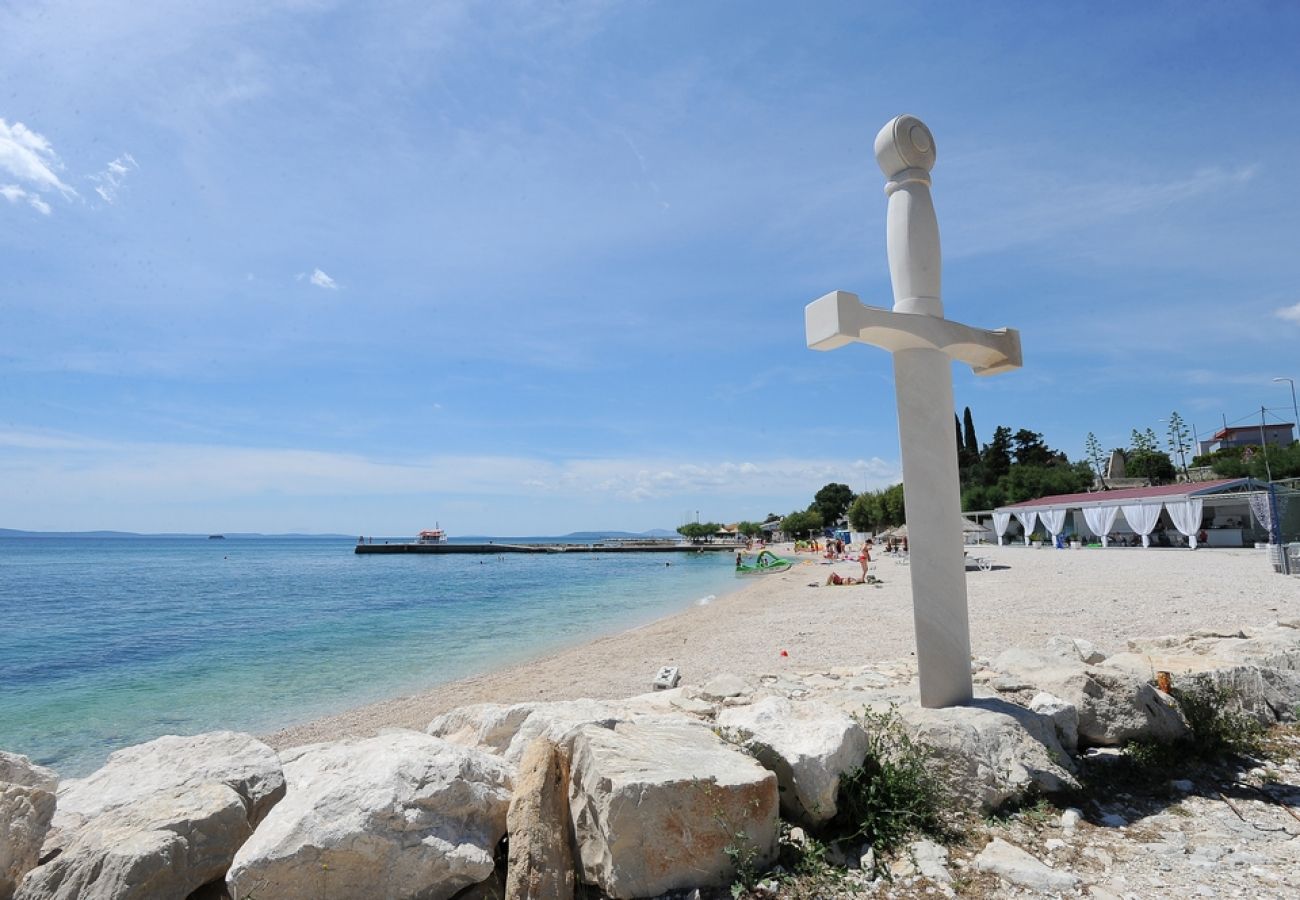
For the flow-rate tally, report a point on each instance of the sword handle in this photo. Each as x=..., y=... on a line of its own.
x=905, y=152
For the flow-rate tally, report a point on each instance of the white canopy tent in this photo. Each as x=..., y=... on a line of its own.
x=1141, y=508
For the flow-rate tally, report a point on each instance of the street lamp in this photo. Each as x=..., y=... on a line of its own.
x=1294, y=410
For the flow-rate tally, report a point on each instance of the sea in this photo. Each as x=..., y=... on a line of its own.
x=109, y=642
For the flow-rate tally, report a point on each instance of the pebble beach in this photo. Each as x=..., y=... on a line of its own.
x=794, y=621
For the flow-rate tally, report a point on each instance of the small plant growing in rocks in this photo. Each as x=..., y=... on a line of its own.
x=895, y=794
x=1217, y=732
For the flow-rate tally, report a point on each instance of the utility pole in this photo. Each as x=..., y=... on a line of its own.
x=1295, y=411
x=1263, y=446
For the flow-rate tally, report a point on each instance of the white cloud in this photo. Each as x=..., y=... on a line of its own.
x=13, y=193
x=62, y=469
x=1290, y=313
x=321, y=280
x=29, y=157
x=109, y=181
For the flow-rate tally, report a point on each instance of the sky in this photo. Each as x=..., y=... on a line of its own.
x=531, y=266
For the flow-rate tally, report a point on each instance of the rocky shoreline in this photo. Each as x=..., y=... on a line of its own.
x=710, y=787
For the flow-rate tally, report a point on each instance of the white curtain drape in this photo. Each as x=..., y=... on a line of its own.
x=1260, y=509
x=1026, y=520
x=1101, y=519
x=1186, y=516
x=1000, y=522
x=1053, y=520
x=1141, y=517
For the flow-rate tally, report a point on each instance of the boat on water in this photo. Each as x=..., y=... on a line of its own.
x=216, y=537
x=431, y=536
x=766, y=563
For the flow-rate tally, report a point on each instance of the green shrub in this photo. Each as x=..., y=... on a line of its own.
x=1216, y=731
x=895, y=793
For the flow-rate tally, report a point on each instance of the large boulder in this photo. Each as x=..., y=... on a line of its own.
x=540, y=865
x=26, y=808
x=1114, y=704
x=657, y=807
x=510, y=730
x=158, y=820
x=808, y=744
x=400, y=815
x=993, y=751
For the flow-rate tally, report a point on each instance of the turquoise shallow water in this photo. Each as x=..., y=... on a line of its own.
x=108, y=642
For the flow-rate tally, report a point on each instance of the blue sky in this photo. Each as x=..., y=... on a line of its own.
x=529, y=267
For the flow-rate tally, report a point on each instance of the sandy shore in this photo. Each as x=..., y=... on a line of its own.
x=1106, y=596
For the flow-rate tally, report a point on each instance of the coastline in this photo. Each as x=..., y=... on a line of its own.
x=1106, y=596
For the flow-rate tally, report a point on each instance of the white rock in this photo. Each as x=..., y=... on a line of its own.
x=725, y=686
x=654, y=807
x=239, y=761
x=26, y=808
x=510, y=730
x=400, y=815
x=166, y=845
x=1074, y=648
x=931, y=860
x=1070, y=819
x=1065, y=716
x=808, y=744
x=1012, y=864
x=1115, y=706
x=159, y=819
x=996, y=750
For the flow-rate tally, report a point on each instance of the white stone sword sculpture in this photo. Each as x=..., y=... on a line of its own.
x=923, y=343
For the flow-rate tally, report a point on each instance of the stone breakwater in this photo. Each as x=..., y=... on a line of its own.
x=668, y=791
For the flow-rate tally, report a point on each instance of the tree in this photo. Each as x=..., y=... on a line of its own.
x=831, y=502
x=1095, y=454
x=996, y=455
x=802, y=523
x=1030, y=450
x=749, y=529
x=1179, y=439
x=970, y=443
x=864, y=512
x=699, y=531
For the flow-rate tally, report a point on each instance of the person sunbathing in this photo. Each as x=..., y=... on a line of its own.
x=836, y=578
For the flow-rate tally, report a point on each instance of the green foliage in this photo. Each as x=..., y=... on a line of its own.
x=1235, y=462
x=862, y=513
x=1028, y=449
x=970, y=444
x=749, y=529
x=831, y=502
x=802, y=524
x=699, y=531
x=895, y=793
x=1179, y=440
x=1154, y=465
x=1216, y=732
x=878, y=510
x=995, y=458
x=1096, y=455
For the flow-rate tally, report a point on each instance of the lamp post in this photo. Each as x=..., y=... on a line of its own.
x=1295, y=411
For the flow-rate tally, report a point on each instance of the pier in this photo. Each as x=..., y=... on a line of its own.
x=597, y=547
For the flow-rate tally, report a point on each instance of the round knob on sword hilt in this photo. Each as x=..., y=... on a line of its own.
x=904, y=143
x=905, y=152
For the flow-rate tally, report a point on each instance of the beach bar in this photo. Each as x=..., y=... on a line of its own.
x=1230, y=512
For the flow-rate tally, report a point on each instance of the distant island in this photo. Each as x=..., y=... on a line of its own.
x=577, y=536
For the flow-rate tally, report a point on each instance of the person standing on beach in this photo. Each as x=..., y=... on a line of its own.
x=865, y=557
